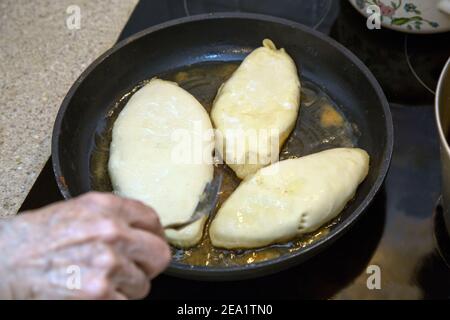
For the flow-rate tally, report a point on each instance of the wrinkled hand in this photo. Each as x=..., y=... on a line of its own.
x=97, y=246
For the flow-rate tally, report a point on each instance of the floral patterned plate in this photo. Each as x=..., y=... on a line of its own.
x=412, y=16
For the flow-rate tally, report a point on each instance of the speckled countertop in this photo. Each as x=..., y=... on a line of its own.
x=40, y=58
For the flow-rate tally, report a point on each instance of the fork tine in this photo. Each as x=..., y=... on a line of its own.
x=207, y=203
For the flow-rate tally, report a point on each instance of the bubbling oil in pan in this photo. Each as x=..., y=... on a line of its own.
x=321, y=125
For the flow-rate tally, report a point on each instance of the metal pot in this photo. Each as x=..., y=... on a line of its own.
x=443, y=124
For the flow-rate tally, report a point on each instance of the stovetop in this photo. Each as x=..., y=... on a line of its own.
x=402, y=232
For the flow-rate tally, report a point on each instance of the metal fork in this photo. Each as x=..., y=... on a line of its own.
x=205, y=206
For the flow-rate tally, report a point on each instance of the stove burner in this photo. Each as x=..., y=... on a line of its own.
x=310, y=13
x=407, y=66
x=441, y=235
x=426, y=59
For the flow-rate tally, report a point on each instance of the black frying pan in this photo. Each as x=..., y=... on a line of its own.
x=222, y=37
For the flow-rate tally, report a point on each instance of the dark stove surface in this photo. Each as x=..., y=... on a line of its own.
x=401, y=233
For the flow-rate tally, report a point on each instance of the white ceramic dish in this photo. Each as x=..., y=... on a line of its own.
x=411, y=16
